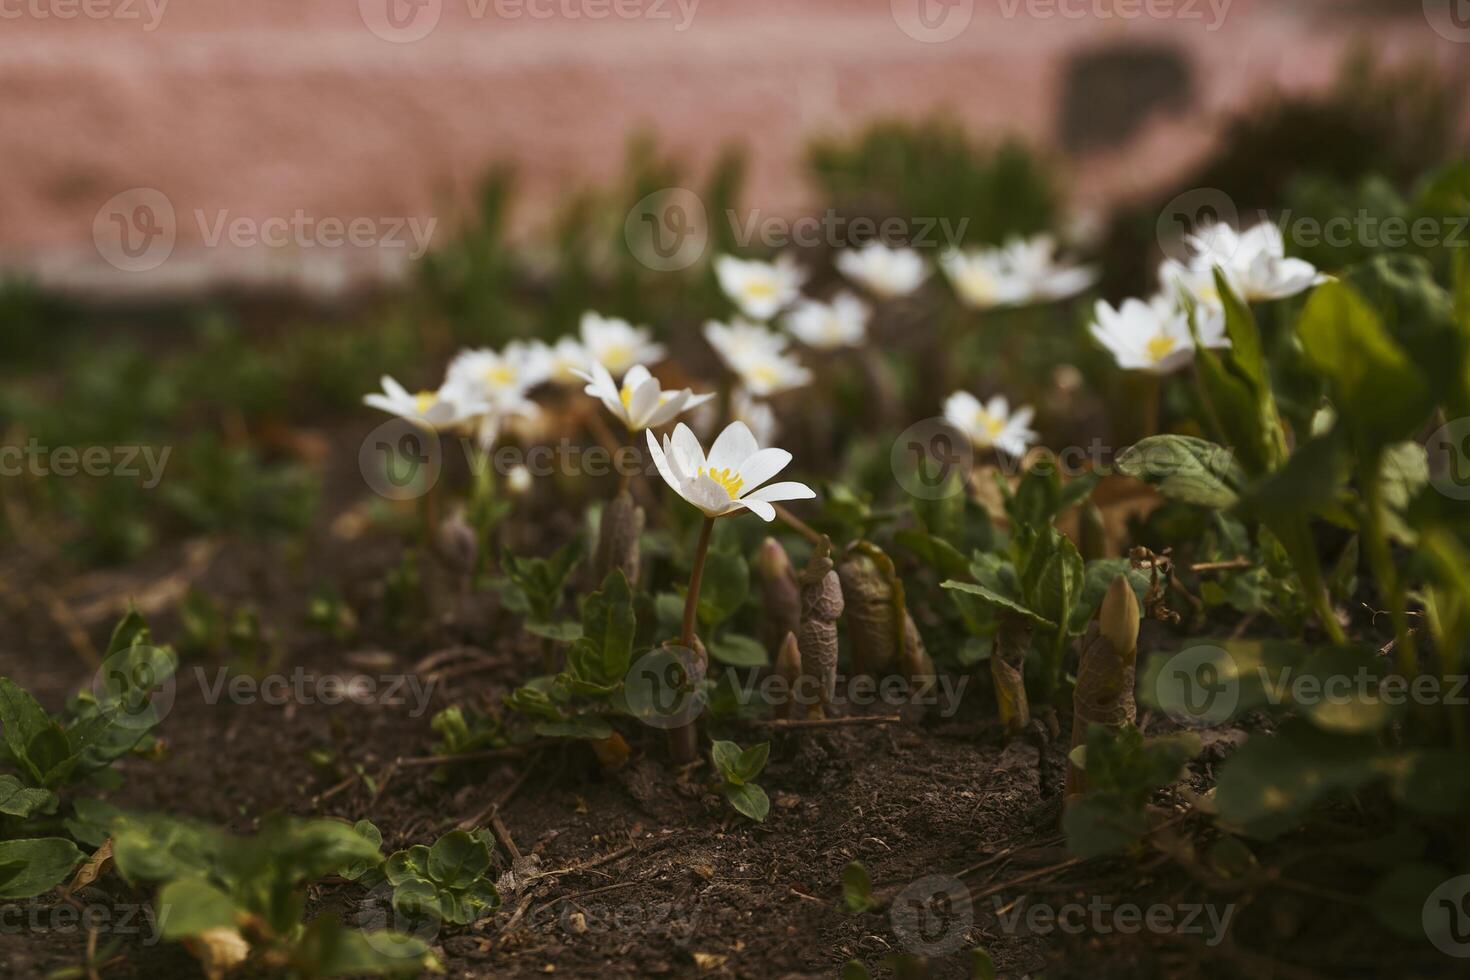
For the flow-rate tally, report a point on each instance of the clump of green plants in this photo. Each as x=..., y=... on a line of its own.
x=235, y=900
x=56, y=761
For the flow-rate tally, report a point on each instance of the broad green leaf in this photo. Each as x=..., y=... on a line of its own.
x=189, y=906
x=857, y=889
x=1399, y=898
x=739, y=650
x=562, y=631
x=725, y=587
x=330, y=949
x=22, y=718
x=408, y=865
x=33, y=866
x=982, y=967
x=749, y=799
x=726, y=756
x=457, y=859
x=18, y=800
x=1379, y=394
x=1052, y=578
x=1185, y=468
x=999, y=601
x=1271, y=781
x=752, y=761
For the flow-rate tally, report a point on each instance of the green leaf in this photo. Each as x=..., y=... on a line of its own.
x=18, y=800
x=1271, y=781
x=189, y=906
x=562, y=631
x=1051, y=581
x=416, y=899
x=609, y=623
x=36, y=865
x=725, y=588
x=982, y=967
x=752, y=761
x=457, y=859
x=92, y=823
x=854, y=970
x=857, y=889
x=1185, y=468
x=999, y=601
x=1379, y=394
x=749, y=799
x=739, y=650
x=329, y=949
x=1237, y=390
x=408, y=865
x=156, y=848
x=592, y=727
x=22, y=718
x=129, y=631
x=369, y=832
x=1097, y=826
x=726, y=757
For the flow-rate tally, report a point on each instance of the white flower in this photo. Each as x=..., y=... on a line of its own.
x=770, y=374
x=1153, y=336
x=505, y=413
x=504, y=377
x=564, y=359
x=1254, y=261
x=518, y=480
x=887, y=273
x=827, y=326
x=616, y=344
x=1025, y=271
x=641, y=403
x=726, y=480
x=980, y=278
x=1039, y=276
x=760, y=289
x=758, y=416
x=991, y=425
x=740, y=339
x=757, y=355
x=439, y=409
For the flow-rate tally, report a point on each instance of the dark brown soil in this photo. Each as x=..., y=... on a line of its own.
x=645, y=872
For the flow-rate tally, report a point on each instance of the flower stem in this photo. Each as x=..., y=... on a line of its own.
x=696, y=577
x=1380, y=558
x=684, y=740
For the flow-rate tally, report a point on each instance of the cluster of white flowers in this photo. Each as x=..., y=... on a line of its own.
x=484, y=389
x=1153, y=335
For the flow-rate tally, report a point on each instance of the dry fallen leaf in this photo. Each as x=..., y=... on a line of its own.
x=709, y=961
x=94, y=868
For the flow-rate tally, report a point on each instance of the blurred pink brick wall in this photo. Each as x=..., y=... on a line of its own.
x=276, y=108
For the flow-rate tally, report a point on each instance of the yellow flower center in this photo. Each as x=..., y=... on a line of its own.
x=1161, y=347
x=425, y=400
x=760, y=289
x=615, y=356
x=990, y=424
x=501, y=374
x=727, y=480
x=764, y=375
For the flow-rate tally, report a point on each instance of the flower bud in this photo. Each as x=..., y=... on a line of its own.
x=459, y=547
x=618, y=537
x=788, y=668
x=821, y=605
x=781, y=597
